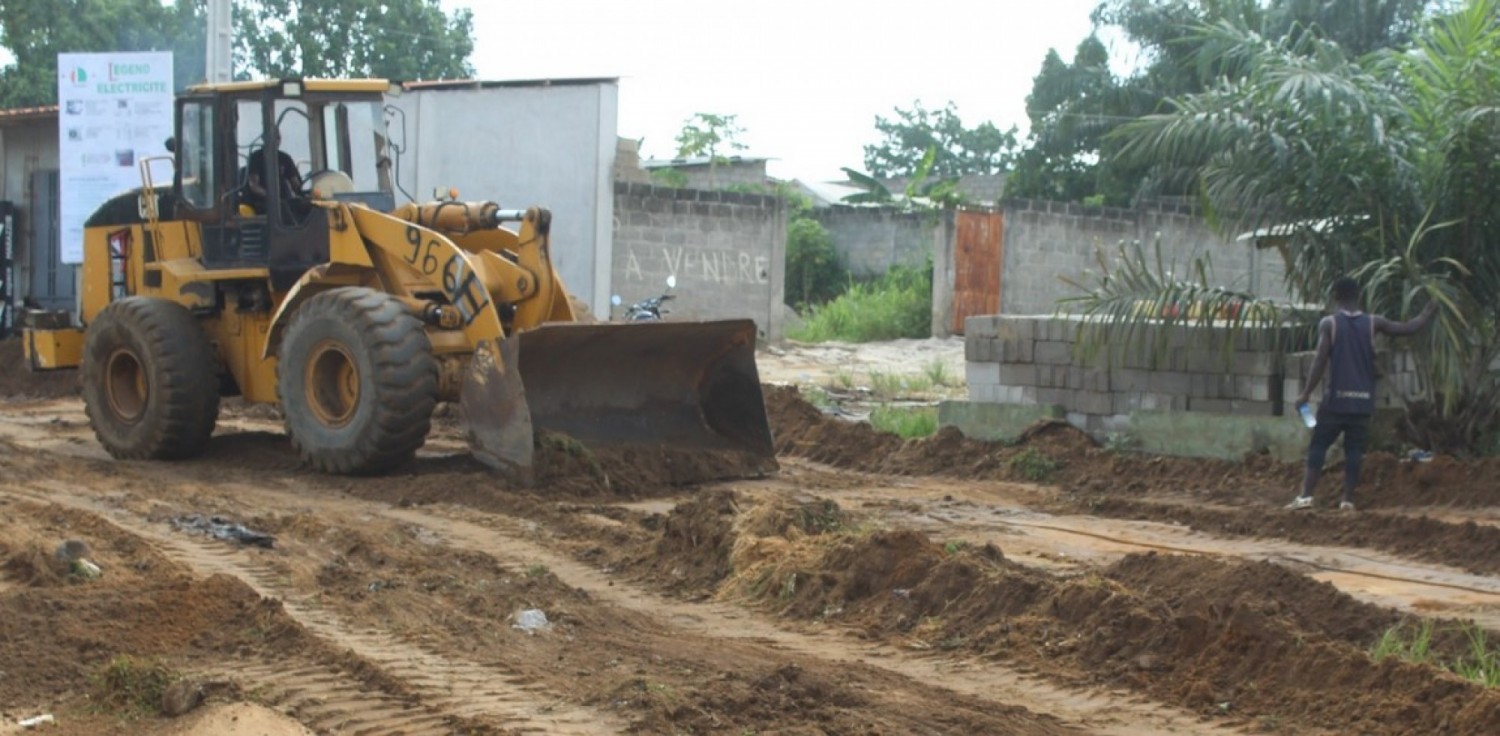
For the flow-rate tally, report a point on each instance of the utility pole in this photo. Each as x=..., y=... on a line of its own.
x=218, y=66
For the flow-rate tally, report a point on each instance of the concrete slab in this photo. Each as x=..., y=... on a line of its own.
x=994, y=421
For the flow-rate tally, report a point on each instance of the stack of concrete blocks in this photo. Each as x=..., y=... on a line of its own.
x=1036, y=361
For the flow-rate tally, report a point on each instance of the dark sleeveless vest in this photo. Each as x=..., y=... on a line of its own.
x=1351, y=366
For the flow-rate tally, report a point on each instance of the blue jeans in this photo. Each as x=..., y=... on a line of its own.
x=1356, y=430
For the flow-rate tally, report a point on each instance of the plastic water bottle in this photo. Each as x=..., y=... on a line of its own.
x=1308, y=418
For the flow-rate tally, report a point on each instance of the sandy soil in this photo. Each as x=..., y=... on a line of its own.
x=872, y=586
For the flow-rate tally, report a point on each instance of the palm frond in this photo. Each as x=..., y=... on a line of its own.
x=1136, y=305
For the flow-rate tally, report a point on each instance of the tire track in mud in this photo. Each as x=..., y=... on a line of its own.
x=322, y=697
x=1100, y=712
x=507, y=539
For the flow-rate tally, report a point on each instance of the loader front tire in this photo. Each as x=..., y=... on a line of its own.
x=357, y=382
x=150, y=380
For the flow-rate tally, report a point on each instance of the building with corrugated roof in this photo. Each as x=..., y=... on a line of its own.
x=30, y=267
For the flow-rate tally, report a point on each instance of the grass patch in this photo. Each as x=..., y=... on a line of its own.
x=898, y=304
x=133, y=687
x=1033, y=465
x=908, y=423
x=937, y=373
x=1479, y=663
x=844, y=378
x=893, y=385
x=819, y=398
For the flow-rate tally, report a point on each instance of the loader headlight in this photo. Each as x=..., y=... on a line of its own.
x=291, y=89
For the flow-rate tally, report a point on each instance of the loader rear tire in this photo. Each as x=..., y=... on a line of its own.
x=357, y=382
x=150, y=380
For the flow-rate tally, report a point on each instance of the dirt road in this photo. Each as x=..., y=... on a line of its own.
x=871, y=586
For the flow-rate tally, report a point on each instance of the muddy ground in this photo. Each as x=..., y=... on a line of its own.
x=870, y=586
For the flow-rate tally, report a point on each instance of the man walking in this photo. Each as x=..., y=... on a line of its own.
x=1346, y=351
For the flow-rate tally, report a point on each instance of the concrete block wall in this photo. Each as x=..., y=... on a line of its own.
x=870, y=240
x=1037, y=361
x=727, y=250
x=1048, y=240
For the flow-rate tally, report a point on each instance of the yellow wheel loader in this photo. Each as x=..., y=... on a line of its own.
x=318, y=293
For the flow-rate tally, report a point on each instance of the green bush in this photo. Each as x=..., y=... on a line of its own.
x=906, y=423
x=898, y=304
x=813, y=273
x=1033, y=465
x=133, y=687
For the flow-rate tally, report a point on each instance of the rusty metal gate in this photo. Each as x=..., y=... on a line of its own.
x=977, y=261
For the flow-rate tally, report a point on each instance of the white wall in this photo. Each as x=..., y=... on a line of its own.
x=524, y=144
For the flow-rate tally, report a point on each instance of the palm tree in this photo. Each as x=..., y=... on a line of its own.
x=1381, y=166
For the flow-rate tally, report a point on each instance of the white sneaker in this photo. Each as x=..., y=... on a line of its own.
x=1300, y=502
x=1346, y=505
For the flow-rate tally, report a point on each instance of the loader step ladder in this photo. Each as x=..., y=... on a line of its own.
x=119, y=253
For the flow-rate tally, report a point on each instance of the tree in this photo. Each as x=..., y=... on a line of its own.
x=1381, y=166
x=395, y=39
x=813, y=273
x=1072, y=107
x=957, y=150
x=1068, y=154
x=36, y=31
x=708, y=134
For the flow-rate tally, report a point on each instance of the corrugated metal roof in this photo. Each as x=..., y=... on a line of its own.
x=443, y=84
x=663, y=163
x=827, y=193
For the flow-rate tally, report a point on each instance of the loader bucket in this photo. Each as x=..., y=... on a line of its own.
x=497, y=419
x=672, y=390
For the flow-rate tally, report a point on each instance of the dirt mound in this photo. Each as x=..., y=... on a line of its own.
x=693, y=550
x=788, y=692
x=1080, y=466
x=238, y=719
x=564, y=465
x=168, y=615
x=19, y=382
x=1200, y=584
x=33, y=566
x=802, y=430
x=1210, y=635
x=1469, y=546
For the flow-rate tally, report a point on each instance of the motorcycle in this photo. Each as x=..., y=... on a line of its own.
x=647, y=310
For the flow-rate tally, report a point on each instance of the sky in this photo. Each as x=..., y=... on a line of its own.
x=805, y=79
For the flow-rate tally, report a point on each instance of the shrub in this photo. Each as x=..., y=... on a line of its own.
x=813, y=273
x=907, y=423
x=1033, y=465
x=898, y=304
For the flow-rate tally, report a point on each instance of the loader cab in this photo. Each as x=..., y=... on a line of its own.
x=257, y=163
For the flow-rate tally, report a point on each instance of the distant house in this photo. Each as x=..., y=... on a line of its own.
x=703, y=172
x=979, y=189
x=30, y=265
x=826, y=193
